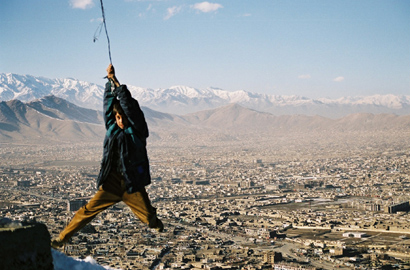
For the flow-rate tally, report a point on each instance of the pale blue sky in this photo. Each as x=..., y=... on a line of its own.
x=295, y=47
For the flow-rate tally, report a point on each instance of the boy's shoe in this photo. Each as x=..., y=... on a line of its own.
x=160, y=226
x=57, y=243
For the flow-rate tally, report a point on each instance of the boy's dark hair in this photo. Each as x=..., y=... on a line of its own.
x=117, y=108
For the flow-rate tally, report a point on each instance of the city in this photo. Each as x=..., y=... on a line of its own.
x=306, y=201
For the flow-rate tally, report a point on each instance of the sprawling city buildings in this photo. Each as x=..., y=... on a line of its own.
x=293, y=204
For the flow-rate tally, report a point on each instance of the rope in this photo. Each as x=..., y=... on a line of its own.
x=106, y=32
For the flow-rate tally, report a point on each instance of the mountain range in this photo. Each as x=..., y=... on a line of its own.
x=182, y=100
x=54, y=120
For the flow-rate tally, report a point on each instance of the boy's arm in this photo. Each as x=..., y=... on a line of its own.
x=132, y=110
x=109, y=117
x=129, y=105
x=109, y=97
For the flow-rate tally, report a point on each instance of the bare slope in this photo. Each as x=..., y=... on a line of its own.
x=48, y=120
x=236, y=118
x=51, y=119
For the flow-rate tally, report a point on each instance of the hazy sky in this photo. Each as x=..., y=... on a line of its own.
x=305, y=47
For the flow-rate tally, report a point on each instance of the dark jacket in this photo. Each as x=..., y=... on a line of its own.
x=131, y=141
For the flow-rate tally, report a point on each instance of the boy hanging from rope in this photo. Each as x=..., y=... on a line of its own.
x=124, y=168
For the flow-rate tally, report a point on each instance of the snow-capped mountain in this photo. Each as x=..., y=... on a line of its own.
x=27, y=88
x=182, y=99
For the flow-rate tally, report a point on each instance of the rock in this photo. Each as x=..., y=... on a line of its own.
x=24, y=246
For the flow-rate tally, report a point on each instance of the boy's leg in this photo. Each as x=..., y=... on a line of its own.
x=101, y=201
x=141, y=206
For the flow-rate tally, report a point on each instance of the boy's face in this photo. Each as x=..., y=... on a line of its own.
x=121, y=120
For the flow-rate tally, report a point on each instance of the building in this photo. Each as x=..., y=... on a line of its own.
x=392, y=209
x=76, y=204
x=272, y=257
x=354, y=234
x=336, y=251
x=22, y=183
x=375, y=207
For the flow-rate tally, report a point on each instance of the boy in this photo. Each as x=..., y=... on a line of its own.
x=124, y=168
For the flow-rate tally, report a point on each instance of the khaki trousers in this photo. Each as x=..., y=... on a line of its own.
x=110, y=193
